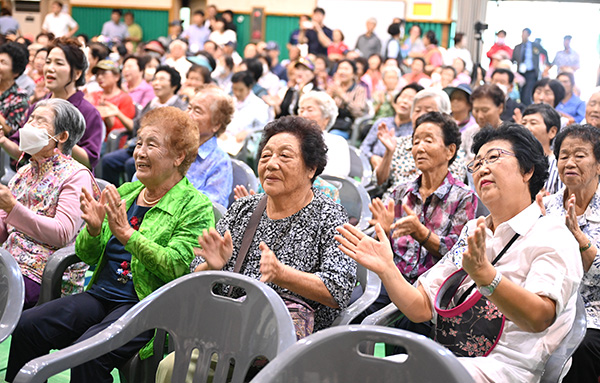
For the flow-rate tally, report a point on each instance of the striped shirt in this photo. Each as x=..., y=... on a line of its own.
x=553, y=183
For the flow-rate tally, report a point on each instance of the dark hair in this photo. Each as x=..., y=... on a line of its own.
x=85, y=37
x=18, y=55
x=421, y=59
x=74, y=55
x=458, y=36
x=528, y=30
x=448, y=126
x=418, y=26
x=141, y=61
x=254, y=66
x=491, y=91
x=202, y=71
x=199, y=12
x=569, y=75
x=555, y=86
x=98, y=51
x=243, y=76
x=501, y=31
x=116, y=10
x=129, y=13
x=352, y=64
x=319, y=10
x=450, y=67
x=549, y=114
x=585, y=132
x=175, y=76
x=5, y=11
x=432, y=37
x=229, y=62
x=509, y=73
x=312, y=145
x=527, y=149
x=359, y=60
x=228, y=12
x=414, y=86
x=394, y=29
x=58, y=2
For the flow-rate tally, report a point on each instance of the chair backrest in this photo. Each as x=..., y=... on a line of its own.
x=354, y=197
x=102, y=183
x=219, y=211
x=114, y=138
x=12, y=294
x=242, y=175
x=360, y=166
x=370, y=284
x=236, y=330
x=556, y=364
x=332, y=355
x=7, y=172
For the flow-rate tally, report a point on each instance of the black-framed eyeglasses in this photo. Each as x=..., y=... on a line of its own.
x=490, y=157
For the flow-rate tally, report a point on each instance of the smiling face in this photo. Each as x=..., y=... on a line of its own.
x=345, y=72
x=57, y=71
x=486, y=112
x=281, y=168
x=577, y=167
x=543, y=95
x=429, y=150
x=154, y=161
x=592, y=110
x=199, y=110
x=303, y=75
x=162, y=86
x=309, y=109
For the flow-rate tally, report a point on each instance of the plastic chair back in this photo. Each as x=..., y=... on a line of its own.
x=5, y=169
x=12, y=294
x=102, y=183
x=370, y=284
x=354, y=198
x=56, y=266
x=332, y=355
x=559, y=362
x=242, y=175
x=219, y=211
x=236, y=330
x=360, y=166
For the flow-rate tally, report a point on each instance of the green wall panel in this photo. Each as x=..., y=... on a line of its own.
x=277, y=28
x=426, y=27
x=154, y=23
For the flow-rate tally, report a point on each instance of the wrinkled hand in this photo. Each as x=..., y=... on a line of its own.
x=7, y=200
x=375, y=255
x=116, y=212
x=382, y=214
x=571, y=221
x=216, y=249
x=387, y=137
x=408, y=225
x=474, y=260
x=539, y=199
x=240, y=191
x=270, y=267
x=93, y=211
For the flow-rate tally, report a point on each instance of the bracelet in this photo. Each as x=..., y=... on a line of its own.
x=426, y=238
x=582, y=249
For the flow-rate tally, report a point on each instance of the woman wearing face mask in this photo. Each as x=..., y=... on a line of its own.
x=63, y=73
x=39, y=210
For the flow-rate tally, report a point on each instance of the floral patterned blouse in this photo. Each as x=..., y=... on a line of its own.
x=13, y=105
x=589, y=223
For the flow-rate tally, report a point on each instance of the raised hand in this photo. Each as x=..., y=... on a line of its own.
x=270, y=267
x=571, y=221
x=375, y=255
x=7, y=200
x=474, y=260
x=216, y=249
x=539, y=199
x=240, y=191
x=382, y=214
x=408, y=225
x=386, y=136
x=93, y=211
x=116, y=212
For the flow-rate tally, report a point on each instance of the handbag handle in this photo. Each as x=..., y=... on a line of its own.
x=249, y=233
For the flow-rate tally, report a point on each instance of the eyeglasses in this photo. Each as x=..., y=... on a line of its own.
x=490, y=157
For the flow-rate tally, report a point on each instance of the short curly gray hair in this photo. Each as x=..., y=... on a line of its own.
x=327, y=105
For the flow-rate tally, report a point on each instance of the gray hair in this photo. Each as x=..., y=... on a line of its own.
x=327, y=105
x=441, y=98
x=390, y=68
x=66, y=119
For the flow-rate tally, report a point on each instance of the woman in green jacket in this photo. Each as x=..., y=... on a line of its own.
x=140, y=236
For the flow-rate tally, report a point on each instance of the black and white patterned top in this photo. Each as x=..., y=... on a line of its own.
x=303, y=241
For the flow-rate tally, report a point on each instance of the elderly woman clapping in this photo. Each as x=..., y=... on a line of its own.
x=515, y=264
x=140, y=236
x=40, y=208
x=577, y=149
x=321, y=108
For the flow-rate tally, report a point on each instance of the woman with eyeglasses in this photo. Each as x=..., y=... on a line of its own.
x=515, y=270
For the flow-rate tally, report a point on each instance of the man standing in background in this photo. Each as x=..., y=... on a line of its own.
x=58, y=22
x=527, y=56
x=369, y=44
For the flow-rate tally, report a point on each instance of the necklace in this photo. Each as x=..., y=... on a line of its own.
x=149, y=202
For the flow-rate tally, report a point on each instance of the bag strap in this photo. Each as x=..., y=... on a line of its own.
x=249, y=233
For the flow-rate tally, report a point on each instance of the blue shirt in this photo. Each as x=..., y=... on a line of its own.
x=372, y=146
x=196, y=36
x=575, y=108
x=528, y=59
x=211, y=172
x=115, y=31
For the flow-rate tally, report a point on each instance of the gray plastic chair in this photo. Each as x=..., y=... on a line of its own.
x=242, y=175
x=354, y=198
x=12, y=294
x=57, y=264
x=114, y=138
x=356, y=127
x=559, y=362
x=370, y=284
x=236, y=330
x=360, y=166
x=332, y=355
x=102, y=183
x=5, y=169
x=219, y=211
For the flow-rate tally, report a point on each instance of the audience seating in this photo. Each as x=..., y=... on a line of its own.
x=354, y=198
x=12, y=294
x=52, y=277
x=242, y=175
x=360, y=166
x=333, y=355
x=236, y=330
x=219, y=211
x=356, y=129
x=370, y=286
x=5, y=169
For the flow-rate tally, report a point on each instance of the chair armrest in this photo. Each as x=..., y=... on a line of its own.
x=52, y=277
x=384, y=317
x=113, y=139
x=371, y=289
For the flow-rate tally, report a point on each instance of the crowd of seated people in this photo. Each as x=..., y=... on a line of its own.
x=161, y=120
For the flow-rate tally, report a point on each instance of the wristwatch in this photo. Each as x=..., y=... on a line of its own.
x=488, y=290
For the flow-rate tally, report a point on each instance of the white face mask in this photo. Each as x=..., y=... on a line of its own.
x=32, y=140
x=503, y=88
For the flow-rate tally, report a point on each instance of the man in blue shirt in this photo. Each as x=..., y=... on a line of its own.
x=571, y=105
x=115, y=29
x=197, y=33
x=527, y=56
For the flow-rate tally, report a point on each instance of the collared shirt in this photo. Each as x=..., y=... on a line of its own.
x=249, y=114
x=115, y=31
x=141, y=94
x=211, y=172
x=196, y=36
x=372, y=146
x=575, y=108
x=528, y=55
x=544, y=260
x=59, y=24
x=368, y=45
x=553, y=183
x=13, y=105
x=444, y=212
x=589, y=223
x=405, y=170
x=564, y=58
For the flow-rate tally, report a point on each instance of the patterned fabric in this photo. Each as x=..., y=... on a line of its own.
x=553, y=183
x=211, y=172
x=13, y=105
x=37, y=186
x=303, y=241
x=564, y=58
x=321, y=185
x=589, y=223
x=445, y=212
x=371, y=144
x=405, y=170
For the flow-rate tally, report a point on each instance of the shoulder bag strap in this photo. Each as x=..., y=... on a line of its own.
x=249, y=233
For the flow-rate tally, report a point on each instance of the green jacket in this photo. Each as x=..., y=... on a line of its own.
x=162, y=249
